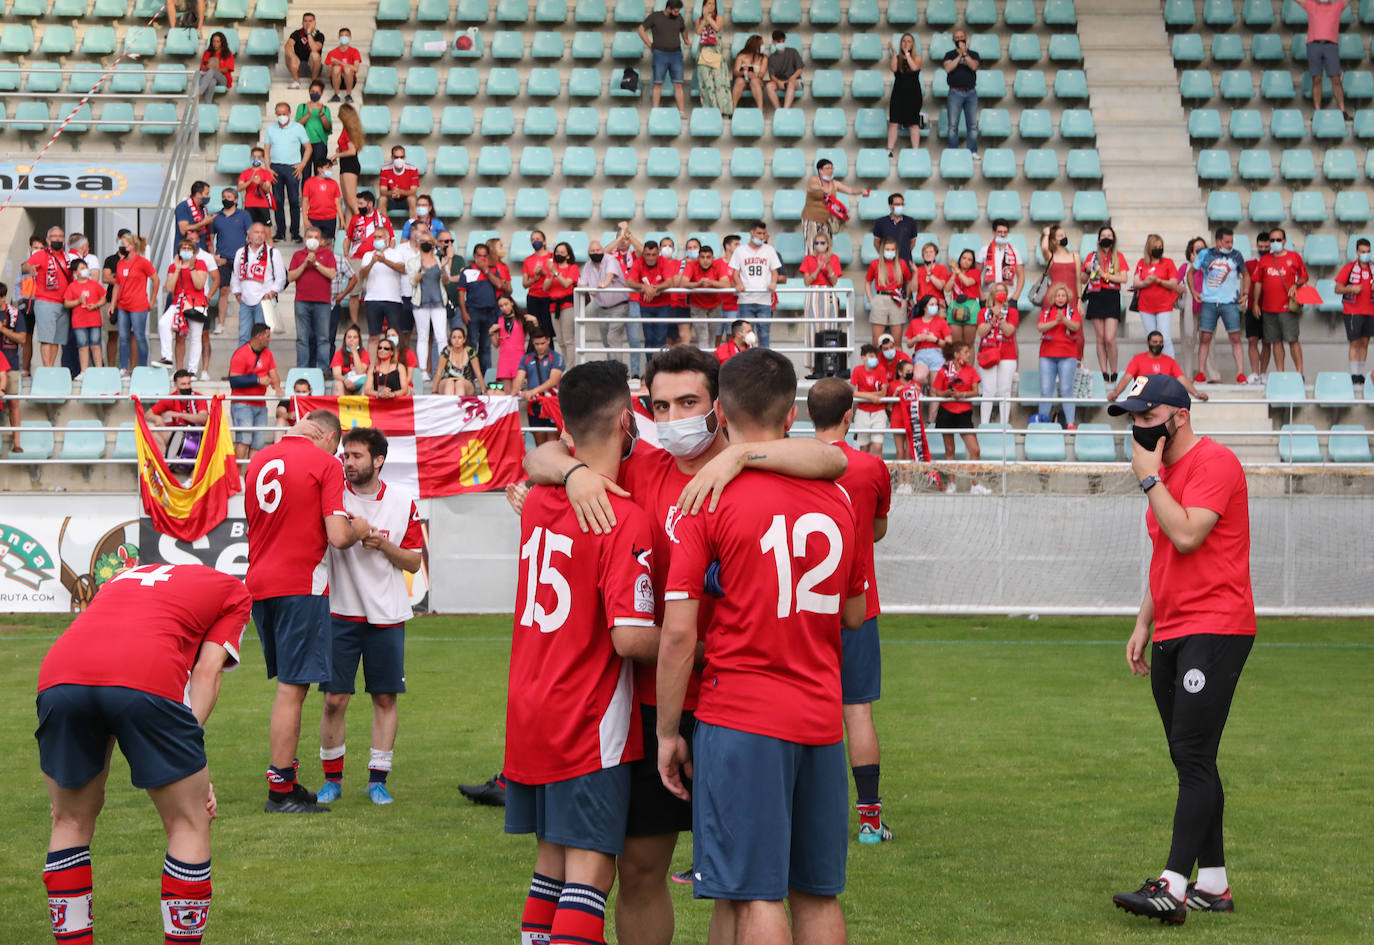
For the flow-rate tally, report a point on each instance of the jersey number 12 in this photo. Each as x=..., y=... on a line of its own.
x=774, y=542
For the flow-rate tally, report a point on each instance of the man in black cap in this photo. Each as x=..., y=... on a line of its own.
x=1202, y=610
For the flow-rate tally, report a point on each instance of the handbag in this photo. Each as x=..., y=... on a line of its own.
x=836, y=207
x=198, y=315
x=1135, y=301
x=1041, y=288
x=629, y=81
x=709, y=57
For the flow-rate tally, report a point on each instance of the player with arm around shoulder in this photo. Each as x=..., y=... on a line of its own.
x=1200, y=609
x=142, y=666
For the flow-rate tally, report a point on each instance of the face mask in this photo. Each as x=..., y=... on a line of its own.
x=186, y=254
x=398, y=163
x=326, y=174
x=1000, y=297
x=379, y=245
x=312, y=243
x=559, y=258
x=870, y=362
x=1149, y=437
x=889, y=353
x=596, y=257
x=1366, y=258
x=666, y=251
x=827, y=177
x=315, y=96
x=1276, y=246
x=536, y=245
x=692, y=254
x=283, y=120
x=395, y=341
x=1156, y=350
x=55, y=245
x=422, y=211
x=1157, y=253
x=83, y=274
x=1000, y=240
x=756, y=241
x=1063, y=241
x=257, y=162
x=889, y=254
x=751, y=339
x=1106, y=243
x=687, y=438
x=898, y=209
x=344, y=40
x=933, y=309
x=426, y=247
x=229, y=204
x=123, y=250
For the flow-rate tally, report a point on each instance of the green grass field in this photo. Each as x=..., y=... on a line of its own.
x=1024, y=772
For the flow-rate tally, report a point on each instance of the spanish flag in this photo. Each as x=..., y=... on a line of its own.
x=189, y=512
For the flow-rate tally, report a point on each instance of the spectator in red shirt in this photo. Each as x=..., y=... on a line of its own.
x=255, y=183
x=399, y=181
x=535, y=271
x=706, y=272
x=133, y=289
x=1058, y=325
x=85, y=298
x=1281, y=272
x=891, y=357
x=649, y=276
x=1157, y=288
x=350, y=141
x=1323, y=49
x=1353, y=284
x=350, y=363
x=322, y=201
x=1105, y=271
x=930, y=276
x=820, y=269
x=964, y=298
x=1153, y=361
x=12, y=338
x=360, y=228
x=927, y=332
x=181, y=324
x=312, y=269
x=52, y=275
x=1254, y=328
x=997, y=353
x=344, y=62
x=185, y=408
x=885, y=288
x=216, y=67
x=958, y=381
x=869, y=381
x=252, y=370
x=742, y=338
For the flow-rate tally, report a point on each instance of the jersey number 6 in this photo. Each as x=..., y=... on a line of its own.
x=269, y=489
x=774, y=541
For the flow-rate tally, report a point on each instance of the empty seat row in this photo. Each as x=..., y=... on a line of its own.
x=1265, y=48
x=222, y=10
x=1306, y=207
x=127, y=78
x=141, y=41
x=1285, y=124
x=37, y=116
x=1339, y=166
x=1238, y=85
x=1256, y=14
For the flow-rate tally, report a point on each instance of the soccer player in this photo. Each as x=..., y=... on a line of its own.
x=1153, y=360
x=141, y=665
x=295, y=510
x=369, y=606
x=768, y=817
x=831, y=406
x=1202, y=609
x=694, y=464
x=584, y=607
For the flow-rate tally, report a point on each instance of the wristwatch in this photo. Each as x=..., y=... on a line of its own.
x=1148, y=483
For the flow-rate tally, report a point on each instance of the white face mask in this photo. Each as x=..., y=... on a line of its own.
x=187, y=254
x=687, y=438
x=665, y=251
x=283, y=120
x=751, y=339
x=932, y=309
x=399, y=163
x=312, y=243
x=422, y=211
x=379, y=245
x=827, y=177
x=898, y=209
x=889, y=254
x=344, y=40
x=756, y=240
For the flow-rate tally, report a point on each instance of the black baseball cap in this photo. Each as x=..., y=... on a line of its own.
x=1156, y=389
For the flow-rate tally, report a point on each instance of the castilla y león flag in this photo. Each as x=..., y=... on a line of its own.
x=438, y=445
x=188, y=512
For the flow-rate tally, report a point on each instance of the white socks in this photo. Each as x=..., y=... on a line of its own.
x=379, y=760
x=1212, y=880
x=1178, y=884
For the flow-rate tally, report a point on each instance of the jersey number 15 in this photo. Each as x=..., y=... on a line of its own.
x=543, y=571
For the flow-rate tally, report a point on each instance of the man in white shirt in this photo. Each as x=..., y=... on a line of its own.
x=409, y=248
x=999, y=262
x=756, y=269
x=369, y=605
x=603, y=272
x=382, y=272
x=257, y=273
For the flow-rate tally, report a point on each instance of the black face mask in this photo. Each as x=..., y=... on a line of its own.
x=1107, y=243
x=560, y=258
x=230, y=204
x=1157, y=253
x=55, y=245
x=315, y=96
x=426, y=247
x=123, y=250
x=596, y=257
x=1063, y=241
x=1149, y=437
x=1156, y=350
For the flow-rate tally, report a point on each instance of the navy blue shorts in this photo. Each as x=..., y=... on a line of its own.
x=158, y=736
x=767, y=816
x=382, y=650
x=585, y=813
x=379, y=312
x=295, y=635
x=861, y=664
x=655, y=810
x=405, y=315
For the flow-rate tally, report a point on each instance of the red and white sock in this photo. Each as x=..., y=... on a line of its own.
x=67, y=876
x=870, y=815
x=281, y=780
x=536, y=924
x=581, y=916
x=185, y=901
x=332, y=760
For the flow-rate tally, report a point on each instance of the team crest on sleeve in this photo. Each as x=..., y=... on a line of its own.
x=670, y=522
x=644, y=594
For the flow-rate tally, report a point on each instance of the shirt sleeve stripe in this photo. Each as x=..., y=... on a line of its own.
x=632, y=622
x=677, y=595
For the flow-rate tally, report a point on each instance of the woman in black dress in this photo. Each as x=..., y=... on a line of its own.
x=904, y=110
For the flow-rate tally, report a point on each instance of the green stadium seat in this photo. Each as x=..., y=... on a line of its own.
x=994, y=124
x=1195, y=85
x=370, y=160
x=138, y=41
x=416, y=120
x=428, y=44
x=263, y=43
x=705, y=123
x=547, y=45
x=1041, y=164
x=498, y=122
x=393, y=11
x=1214, y=166
x=101, y=41
x=1248, y=127
x=1179, y=14
x=827, y=124
x=1090, y=206
x=824, y=13
x=167, y=79
x=508, y=46
x=111, y=9
x=462, y=82
x=149, y=383
x=1004, y=205
x=579, y=161
x=618, y=203
x=1352, y=207
x=275, y=10
x=1034, y=125
x=1266, y=206
x=864, y=48
x=914, y=165
x=1219, y=14
x=787, y=205
x=993, y=443
x=789, y=164
x=630, y=12
x=488, y=203
x=1024, y=49
x=84, y=79
x=746, y=13
x=17, y=38
x=1298, y=443
x=1297, y=165
x=1284, y=387
x=165, y=113
x=1267, y=49
x=622, y=122
x=30, y=116
x=789, y=124
x=125, y=444
x=939, y=13
x=503, y=82
x=872, y=206
x=1029, y=85
x=746, y=163
x=746, y=205
x=457, y=121
x=660, y=205
x=1065, y=48
x=1046, y=206
x=473, y=11
x=870, y=124
x=1277, y=86
x=1204, y=124
x=37, y=437
x=448, y=202
x=50, y=385
x=1308, y=207
x=312, y=376
x=704, y=205
x=872, y=164
x=102, y=381
x=1322, y=250
x=627, y=47
x=1060, y=13
x=551, y=12
x=1351, y=46
x=956, y=164
x=746, y=124
x=1227, y=49
x=475, y=49
x=1340, y=166
x=1349, y=449
x=1083, y=164
x=1044, y=443
x=79, y=123
x=590, y=12
x=253, y=80
x=582, y=122
x=1364, y=125
x=544, y=83
x=1358, y=85
x=864, y=13
x=1237, y=86
x=1187, y=49
x=584, y=83
x=1076, y=124
x=1070, y=85
x=244, y=120
x=10, y=78
x=44, y=78
x=233, y=159
x=961, y=206
x=1094, y=443
x=827, y=85
x=1333, y=389
x=661, y=163
x=451, y=160
x=382, y=82
x=784, y=12
x=1257, y=13
x=531, y=203
x=432, y=11
x=867, y=85
x=665, y=122
x=980, y=13
x=991, y=85
x=121, y=113
x=1287, y=125
x=1328, y=125
x=376, y=119
x=512, y=11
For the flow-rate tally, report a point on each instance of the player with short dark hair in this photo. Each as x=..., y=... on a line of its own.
x=584, y=608
x=142, y=666
x=769, y=794
x=295, y=511
x=830, y=402
x=368, y=607
x=1202, y=610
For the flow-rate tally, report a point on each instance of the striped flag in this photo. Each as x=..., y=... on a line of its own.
x=188, y=512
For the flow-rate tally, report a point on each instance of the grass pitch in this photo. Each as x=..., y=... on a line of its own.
x=1024, y=772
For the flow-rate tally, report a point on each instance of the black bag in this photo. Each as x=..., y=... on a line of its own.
x=198, y=315
x=629, y=82
x=836, y=363
x=1135, y=300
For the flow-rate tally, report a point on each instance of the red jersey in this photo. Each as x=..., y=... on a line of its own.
x=868, y=382
x=360, y=232
x=312, y=286
x=293, y=486
x=888, y=275
x=908, y=394
x=570, y=706
x=343, y=56
x=662, y=272
x=536, y=262
x=195, y=403
x=924, y=273
x=349, y=364
x=86, y=314
x=727, y=351
x=788, y=562
x=936, y=326
x=998, y=333
x=814, y=274
x=952, y=378
x=407, y=178
x=258, y=193
x=323, y=195
x=1362, y=276
x=870, y=492
x=1145, y=364
x=1278, y=274
x=53, y=277
x=1095, y=270
x=144, y=629
x=719, y=269
x=247, y=361
x=558, y=291
x=186, y=294
x=131, y=281
x=1058, y=342
x=1207, y=591
x=890, y=365
x=1157, y=298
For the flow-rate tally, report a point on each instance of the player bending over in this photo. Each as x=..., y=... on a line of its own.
x=584, y=608
x=152, y=636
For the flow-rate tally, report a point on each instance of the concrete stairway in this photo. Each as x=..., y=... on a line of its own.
x=1238, y=417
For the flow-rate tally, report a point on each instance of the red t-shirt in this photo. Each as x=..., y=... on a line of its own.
x=186, y=293
x=1057, y=342
x=360, y=365
x=247, y=361
x=1144, y=364
x=225, y=66
x=558, y=291
x=292, y=487
x=50, y=285
x=908, y=394
x=1362, y=275
x=662, y=272
x=887, y=276
x=1007, y=341
x=1278, y=274
x=936, y=326
x=951, y=378
x=788, y=562
x=323, y=194
x=192, y=404
x=868, y=382
x=312, y=286
x=131, y=279
x=144, y=629
x=925, y=273
x=719, y=269
x=570, y=706
x=1094, y=270
x=1156, y=298
x=812, y=274
x=727, y=351
x=959, y=291
x=1207, y=591
x=360, y=232
x=870, y=492
x=87, y=313
x=537, y=261
x=406, y=178
x=890, y=365
x=343, y=56
x=258, y=193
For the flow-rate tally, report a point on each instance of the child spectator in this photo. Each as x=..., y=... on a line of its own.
x=869, y=380
x=958, y=381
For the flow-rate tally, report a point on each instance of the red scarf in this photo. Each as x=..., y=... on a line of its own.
x=258, y=270
x=990, y=271
x=197, y=213
x=57, y=277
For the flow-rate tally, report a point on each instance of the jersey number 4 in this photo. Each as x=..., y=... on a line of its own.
x=542, y=571
x=774, y=542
